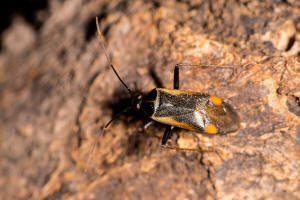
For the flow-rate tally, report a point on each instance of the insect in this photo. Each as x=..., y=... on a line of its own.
x=179, y=108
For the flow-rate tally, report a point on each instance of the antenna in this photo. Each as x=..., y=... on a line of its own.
x=102, y=42
x=101, y=130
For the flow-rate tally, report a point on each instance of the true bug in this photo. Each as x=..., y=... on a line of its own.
x=178, y=108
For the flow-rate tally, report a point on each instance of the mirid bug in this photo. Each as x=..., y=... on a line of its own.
x=179, y=108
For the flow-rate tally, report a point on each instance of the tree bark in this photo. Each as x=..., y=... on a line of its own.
x=57, y=90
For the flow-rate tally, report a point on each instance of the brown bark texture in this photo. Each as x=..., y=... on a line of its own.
x=56, y=90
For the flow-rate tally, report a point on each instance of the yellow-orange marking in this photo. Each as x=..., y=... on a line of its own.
x=216, y=100
x=173, y=122
x=211, y=129
x=178, y=92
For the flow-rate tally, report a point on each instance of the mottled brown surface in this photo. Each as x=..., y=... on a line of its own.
x=57, y=90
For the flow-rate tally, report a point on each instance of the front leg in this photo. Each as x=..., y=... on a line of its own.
x=167, y=135
x=151, y=132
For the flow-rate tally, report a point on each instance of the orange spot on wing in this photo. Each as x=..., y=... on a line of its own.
x=215, y=100
x=211, y=129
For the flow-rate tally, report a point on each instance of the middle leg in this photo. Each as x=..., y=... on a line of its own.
x=203, y=66
x=167, y=135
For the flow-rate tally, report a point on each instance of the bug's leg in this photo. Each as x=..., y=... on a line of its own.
x=167, y=135
x=146, y=127
x=195, y=150
x=188, y=149
x=149, y=131
x=199, y=150
x=176, y=77
x=203, y=66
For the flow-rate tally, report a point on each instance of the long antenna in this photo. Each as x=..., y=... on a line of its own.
x=102, y=42
x=101, y=130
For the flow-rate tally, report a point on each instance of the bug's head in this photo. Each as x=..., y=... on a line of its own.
x=136, y=101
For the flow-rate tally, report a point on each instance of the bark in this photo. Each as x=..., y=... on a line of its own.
x=57, y=90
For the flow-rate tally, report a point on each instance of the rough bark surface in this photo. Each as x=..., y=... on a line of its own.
x=56, y=90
